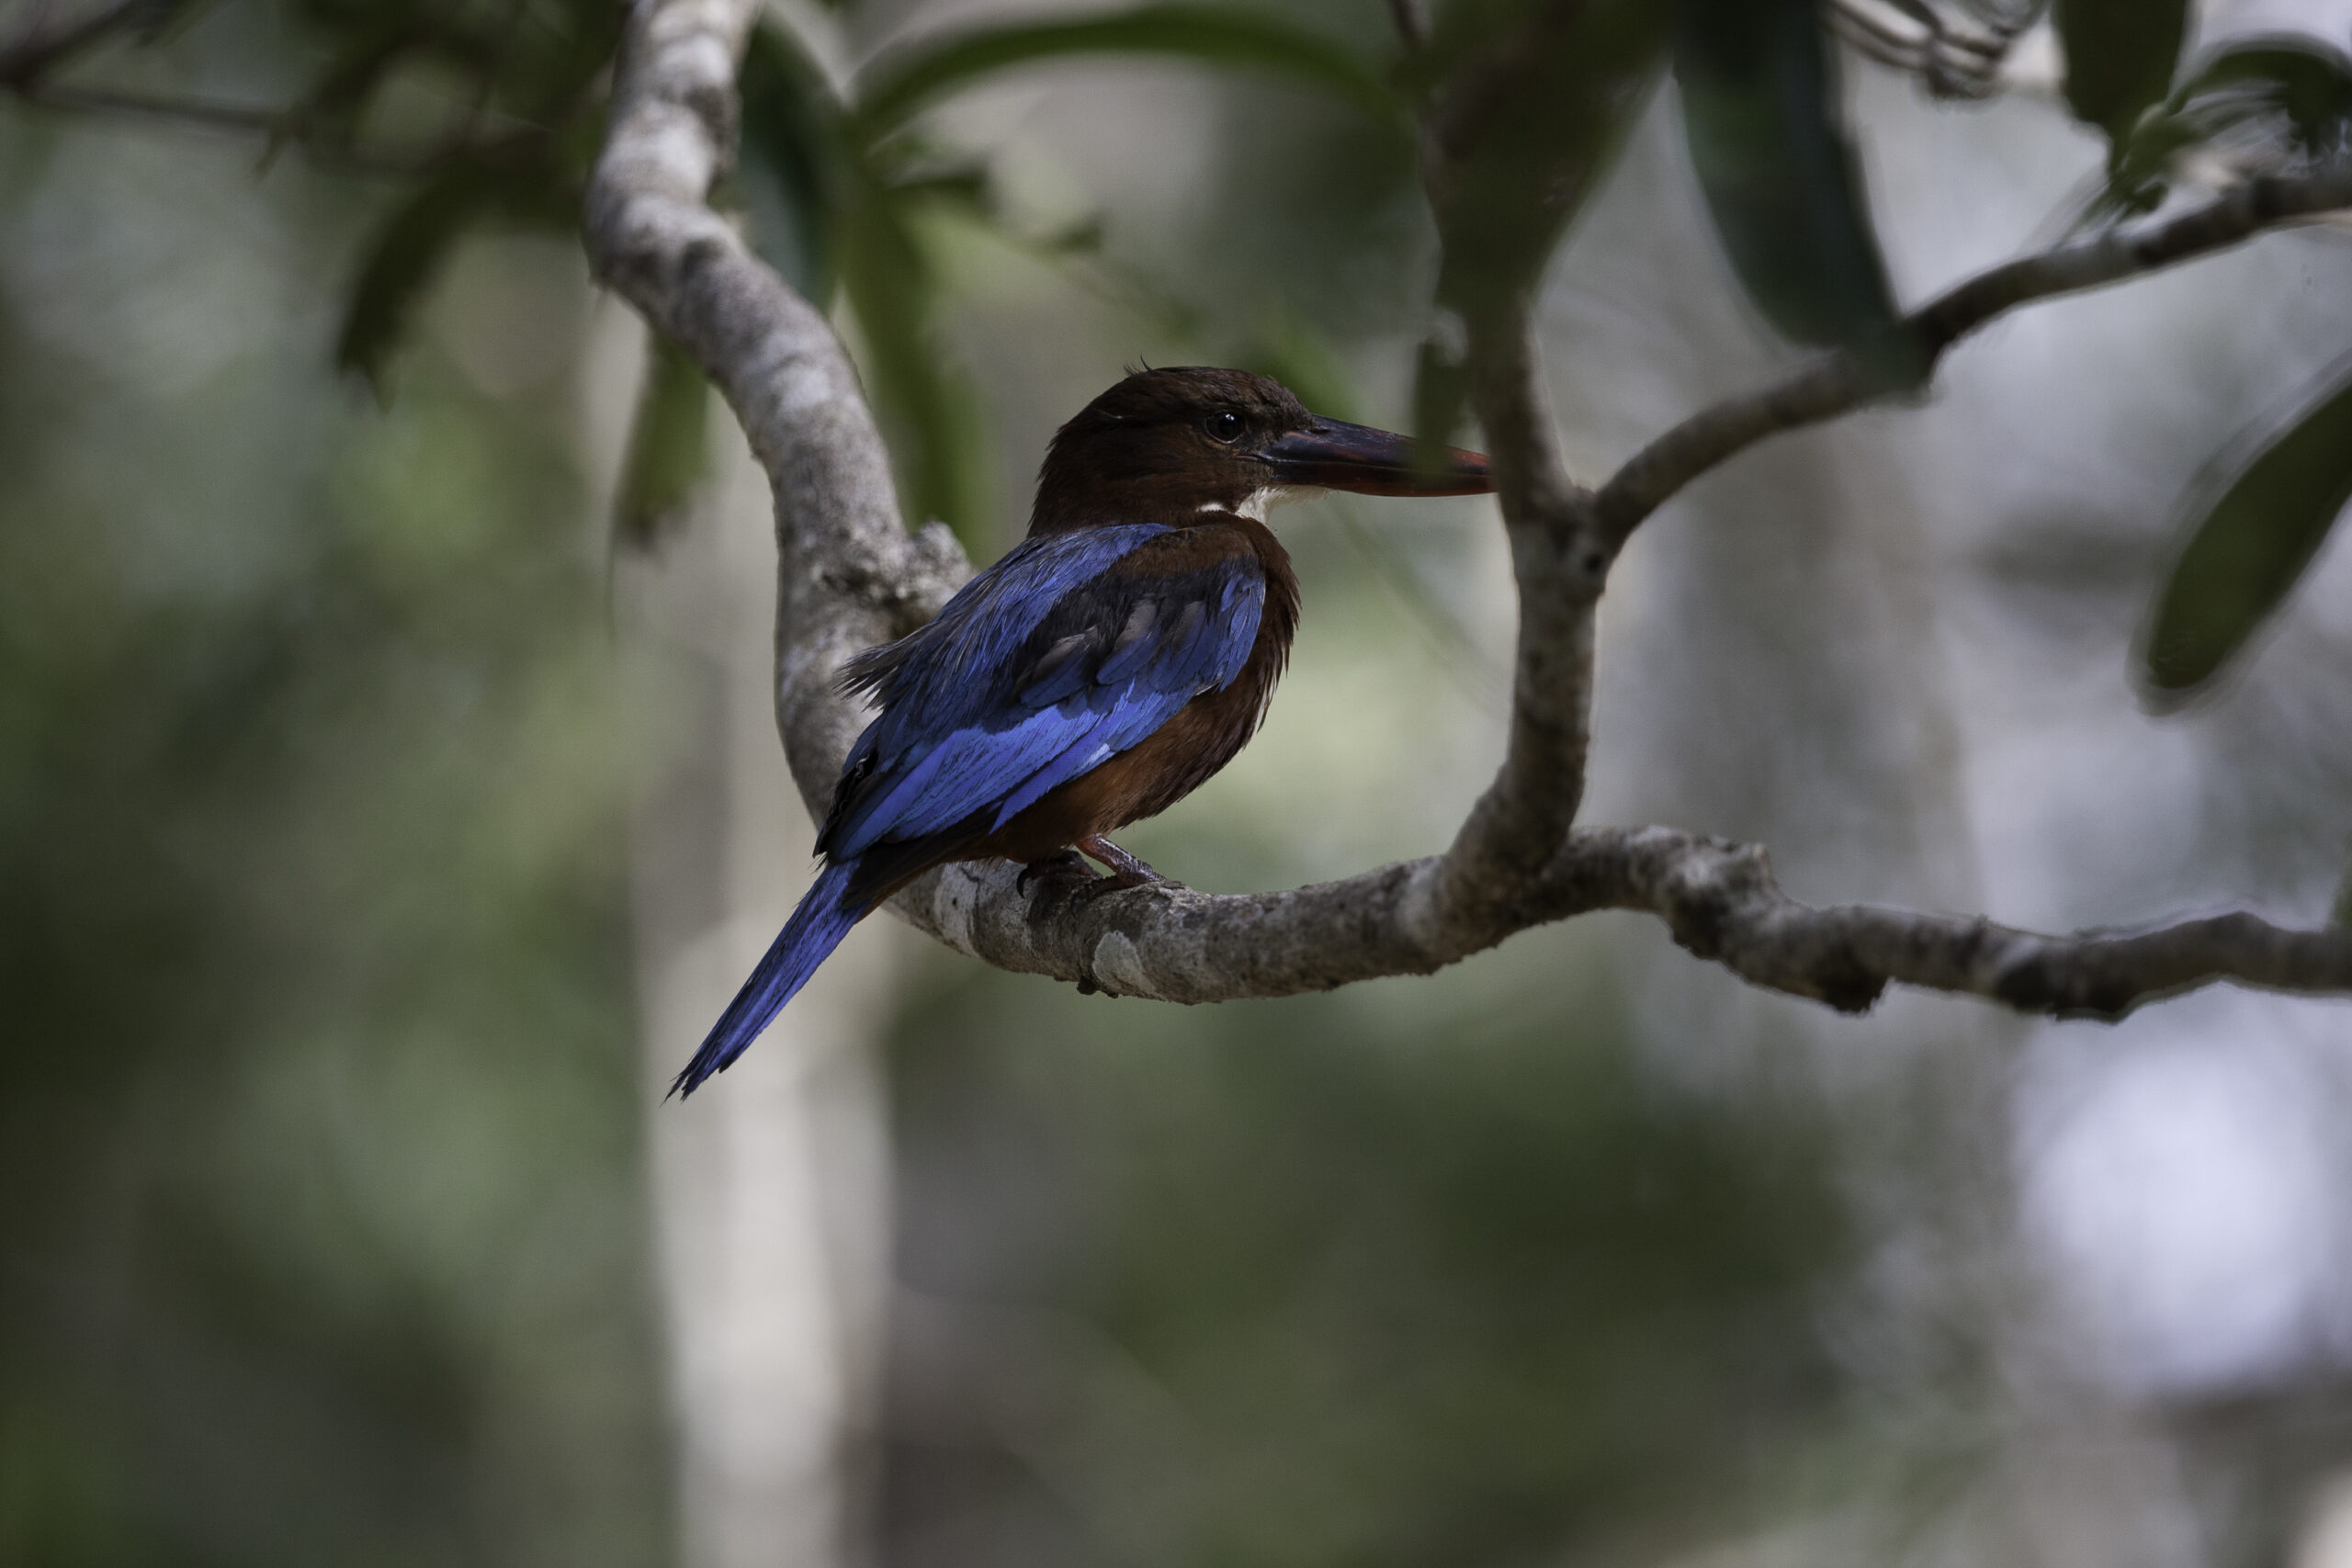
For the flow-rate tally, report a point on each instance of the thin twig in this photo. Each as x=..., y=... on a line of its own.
x=1836, y=383
x=242, y=120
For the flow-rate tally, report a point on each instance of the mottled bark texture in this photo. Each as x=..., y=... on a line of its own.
x=850, y=576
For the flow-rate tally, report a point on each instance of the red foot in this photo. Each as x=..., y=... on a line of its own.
x=1126, y=870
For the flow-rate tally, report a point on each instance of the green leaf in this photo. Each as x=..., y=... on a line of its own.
x=2120, y=55
x=831, y=209
x=340, y=95
x=1440, y=395
x=1288, y=347
x=669, y=447
x=910, y=76
x=792, y=153
x=2251, y=547
x=1529, y=101
x=929, y=412
x=402, y=260
x=1761, y=111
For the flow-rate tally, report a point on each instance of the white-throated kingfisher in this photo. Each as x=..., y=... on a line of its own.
x=1100, y=672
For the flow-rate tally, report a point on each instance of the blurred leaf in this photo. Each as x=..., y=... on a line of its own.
x=2119, y=58
x=1767, y=135
x=2248, y=550
x=532, y=189
x=2264, y=105
x=2340, y=916
x=669, y=447
x=1288, y=347
x=829, y=210
x=910, y=76
x=1531, y=99
x=792, y=151
x=967, y=188
x=932, y=416
x=339, y=96
x=400, y=263
x=1438, y=395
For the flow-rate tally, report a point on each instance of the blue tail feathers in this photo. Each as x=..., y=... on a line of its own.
x=815, y=928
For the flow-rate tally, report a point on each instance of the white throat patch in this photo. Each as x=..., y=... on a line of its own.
x=1259, y=502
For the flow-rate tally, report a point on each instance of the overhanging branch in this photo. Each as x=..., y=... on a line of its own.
x=850, y=576
x=1836, y=384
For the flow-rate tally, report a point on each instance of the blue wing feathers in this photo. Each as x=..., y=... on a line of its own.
x=1060, y=656
x=1072, y=648
x=822, y=917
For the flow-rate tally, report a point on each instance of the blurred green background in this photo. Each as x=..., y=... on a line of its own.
x=386, y=800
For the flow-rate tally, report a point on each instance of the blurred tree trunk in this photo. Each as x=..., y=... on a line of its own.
x=771, y=1186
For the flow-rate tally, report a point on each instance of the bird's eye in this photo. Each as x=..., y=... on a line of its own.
x=1226, y=426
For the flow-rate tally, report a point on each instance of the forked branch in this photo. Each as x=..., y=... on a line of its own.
x=849, y=576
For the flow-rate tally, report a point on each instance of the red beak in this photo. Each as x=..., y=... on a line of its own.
x=1335, y=455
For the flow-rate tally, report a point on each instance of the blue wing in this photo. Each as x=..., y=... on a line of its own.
x=1067, y=651
x=1070, y=650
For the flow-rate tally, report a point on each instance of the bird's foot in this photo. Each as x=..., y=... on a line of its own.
x=1067, y=863
x=1127, y=870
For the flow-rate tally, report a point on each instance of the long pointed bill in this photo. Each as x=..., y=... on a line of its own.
x=1336, y=454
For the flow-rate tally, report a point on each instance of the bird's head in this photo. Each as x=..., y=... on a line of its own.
x=1163, y=445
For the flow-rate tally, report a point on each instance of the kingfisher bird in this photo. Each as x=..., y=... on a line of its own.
x=1104, y=669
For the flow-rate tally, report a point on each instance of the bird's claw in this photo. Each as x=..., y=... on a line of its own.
x=1068, y=862
x=1127, y=870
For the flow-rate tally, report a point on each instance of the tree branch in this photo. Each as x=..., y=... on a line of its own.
x=242, y=120
x=1836, y=383
x=849, y=577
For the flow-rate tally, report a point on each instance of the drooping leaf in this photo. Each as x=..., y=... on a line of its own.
x=669, y=447
x=2250, y=547
x=831, y=209
x=402, y=260
x=1439, y=396
x=2120, y=55
x=1530, y=100
x=521, y=184
x=930, y=414
x=1768, y=139
x=792, y=156
x=340, y=93
x=911, y=76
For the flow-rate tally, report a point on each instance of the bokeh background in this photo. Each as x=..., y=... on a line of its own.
x=387, y=800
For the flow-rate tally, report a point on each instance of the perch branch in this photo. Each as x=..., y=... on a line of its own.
x=850, y=576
